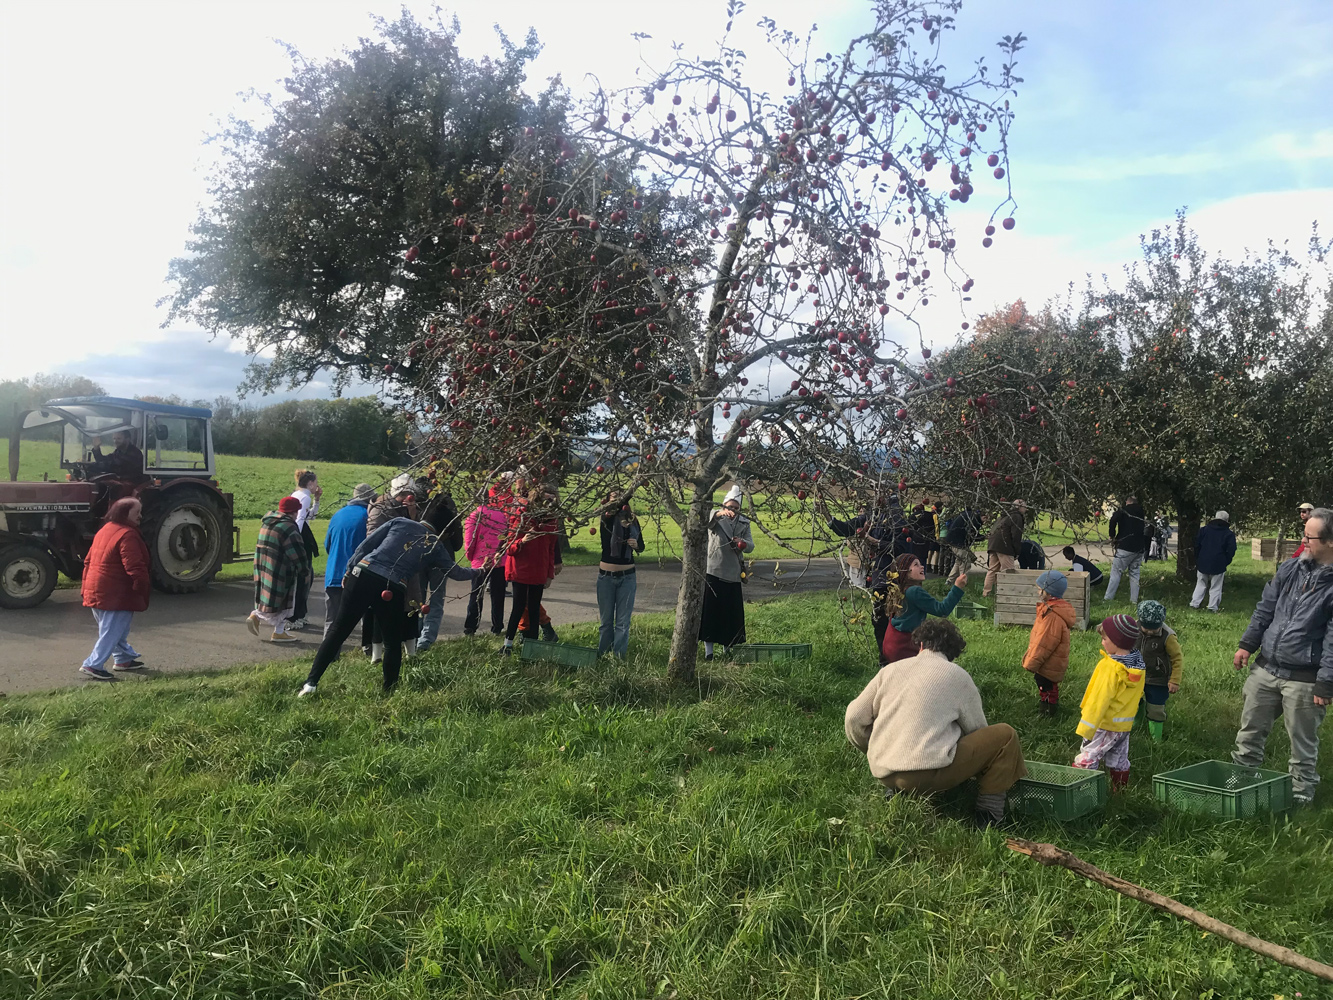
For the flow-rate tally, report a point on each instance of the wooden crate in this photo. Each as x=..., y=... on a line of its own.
x=1266, y=549
x=1016, y=597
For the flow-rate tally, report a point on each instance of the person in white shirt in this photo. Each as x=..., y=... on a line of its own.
x=307, y=493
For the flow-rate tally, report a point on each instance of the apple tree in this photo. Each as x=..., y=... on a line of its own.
x=712, y=268
x=1225, y=369
x=315, y=249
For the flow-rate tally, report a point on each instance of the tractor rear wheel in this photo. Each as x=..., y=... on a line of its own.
x=27, y=575
x=184, y=537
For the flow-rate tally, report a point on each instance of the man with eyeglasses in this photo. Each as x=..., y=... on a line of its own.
x=1292, y=630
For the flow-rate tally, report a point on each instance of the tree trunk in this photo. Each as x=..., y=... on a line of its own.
x=1187, y=528
x=690, y=596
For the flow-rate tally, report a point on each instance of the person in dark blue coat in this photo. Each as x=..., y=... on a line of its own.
x=1214, y=548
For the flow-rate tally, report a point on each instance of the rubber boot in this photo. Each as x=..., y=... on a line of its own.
x=548, y=634
x=1157, y=730
x=1119, y=779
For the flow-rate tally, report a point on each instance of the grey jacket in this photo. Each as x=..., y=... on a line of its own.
x=724, y=562
x=401, y=548
x=1292, y=625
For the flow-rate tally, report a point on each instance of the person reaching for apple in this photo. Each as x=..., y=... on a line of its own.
x=917, y=604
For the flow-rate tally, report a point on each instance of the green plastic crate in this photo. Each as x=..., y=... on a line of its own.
x=558, y=652
x=1225, y=790
x=1054, y=791
x=964, y=609
x=756, y=652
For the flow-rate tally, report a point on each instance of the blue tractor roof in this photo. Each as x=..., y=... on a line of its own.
x=166, y=409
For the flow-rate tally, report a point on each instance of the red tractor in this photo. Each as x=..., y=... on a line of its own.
x=113, y=448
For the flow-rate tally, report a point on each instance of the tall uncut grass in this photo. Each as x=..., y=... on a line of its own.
x=501, y=828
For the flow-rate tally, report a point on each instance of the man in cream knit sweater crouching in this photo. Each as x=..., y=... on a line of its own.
x=922, y=728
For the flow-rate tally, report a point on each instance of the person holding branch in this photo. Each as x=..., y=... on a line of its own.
x=723, y=619
x=917, y=604
x=617, y=584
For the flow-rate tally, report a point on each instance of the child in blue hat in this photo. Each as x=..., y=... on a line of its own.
x=1164, y=662
x=1047, y=658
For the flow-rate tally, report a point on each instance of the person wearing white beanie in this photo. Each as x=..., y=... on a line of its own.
x=729, y=538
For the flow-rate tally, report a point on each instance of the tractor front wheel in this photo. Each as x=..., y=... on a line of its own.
x=27, y=575
x=184, y=538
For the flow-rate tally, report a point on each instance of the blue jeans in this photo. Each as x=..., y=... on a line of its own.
x=615, y=601
x=113, y=631
x=430, y=624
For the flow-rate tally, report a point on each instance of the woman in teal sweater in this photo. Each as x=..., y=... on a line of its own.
x=917, y=605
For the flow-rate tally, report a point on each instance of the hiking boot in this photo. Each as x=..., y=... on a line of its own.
x=128, y=665
x=548, y=634
x=96, y=673
x=282, y=638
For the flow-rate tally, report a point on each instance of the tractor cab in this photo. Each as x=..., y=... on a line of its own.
x=124, y=438
x=111, y=448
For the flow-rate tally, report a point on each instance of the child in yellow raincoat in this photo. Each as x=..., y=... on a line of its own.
x=1111, y=700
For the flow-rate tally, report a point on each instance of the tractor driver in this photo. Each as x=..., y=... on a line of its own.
x=126, y=462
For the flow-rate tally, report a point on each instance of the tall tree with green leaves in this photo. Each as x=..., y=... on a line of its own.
x=1225, y=373
x=328, y=225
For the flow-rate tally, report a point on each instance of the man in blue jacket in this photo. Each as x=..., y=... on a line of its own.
x=1292, y=628
x=377, y=577
x=347, y=530
x=1214, y=548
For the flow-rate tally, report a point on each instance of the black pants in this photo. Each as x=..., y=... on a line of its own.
x=491, y=582
x=365, y=594
x=302, y=604
x=527, y=597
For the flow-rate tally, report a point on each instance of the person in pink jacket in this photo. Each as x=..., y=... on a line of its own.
x=484, y=545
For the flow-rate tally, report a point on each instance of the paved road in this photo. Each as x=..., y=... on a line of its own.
x=42, y=648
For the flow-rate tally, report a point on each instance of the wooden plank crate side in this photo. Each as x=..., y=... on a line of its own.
x=1016, y=597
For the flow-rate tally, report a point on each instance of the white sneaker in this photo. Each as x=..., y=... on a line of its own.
x=297, y=624
x=377, y=652
x=306, y=689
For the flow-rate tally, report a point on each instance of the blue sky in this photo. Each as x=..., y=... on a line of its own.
x=1129, y=111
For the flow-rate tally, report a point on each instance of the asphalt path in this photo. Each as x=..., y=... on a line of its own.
x=41, y=648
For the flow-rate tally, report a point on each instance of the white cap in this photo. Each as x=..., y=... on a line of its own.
x=733, y=494
x=1223, y=516
x=402, y=483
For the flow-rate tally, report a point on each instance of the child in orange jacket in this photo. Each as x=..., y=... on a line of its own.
x=1047, y=658
x=1112, y=700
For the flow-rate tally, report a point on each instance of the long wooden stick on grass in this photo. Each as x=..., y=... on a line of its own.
x=1049, y=854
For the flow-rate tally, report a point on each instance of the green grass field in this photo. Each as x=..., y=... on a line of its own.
x=498, y=828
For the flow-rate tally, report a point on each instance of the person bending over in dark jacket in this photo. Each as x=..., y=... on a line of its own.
x=1293, y=628
x=379, y=574
x=1082, y=564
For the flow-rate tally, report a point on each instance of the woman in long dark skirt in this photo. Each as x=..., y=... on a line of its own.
x=723, y=619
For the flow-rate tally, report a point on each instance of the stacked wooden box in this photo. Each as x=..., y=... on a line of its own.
x=1016, y=597
x=1265, y=549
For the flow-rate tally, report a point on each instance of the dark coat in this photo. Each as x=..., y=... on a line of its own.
x=1006, y=538
x=116, y=570
x=1214, y=547
x=1128, y=528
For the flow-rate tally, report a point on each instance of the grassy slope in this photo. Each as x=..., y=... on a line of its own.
x=497, y=828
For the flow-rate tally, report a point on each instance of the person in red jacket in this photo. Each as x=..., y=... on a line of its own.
x=529, y=566
x=115, y=586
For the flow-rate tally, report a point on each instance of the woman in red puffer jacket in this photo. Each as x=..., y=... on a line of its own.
x=529, y=565
x=115, y=586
